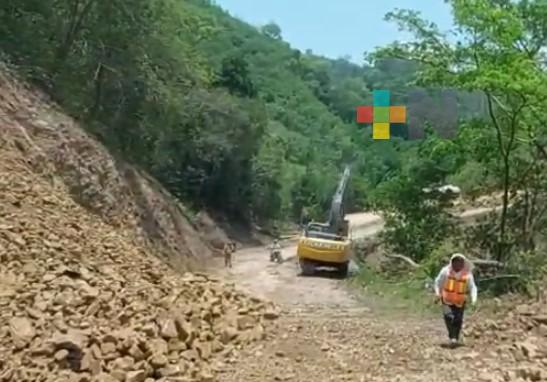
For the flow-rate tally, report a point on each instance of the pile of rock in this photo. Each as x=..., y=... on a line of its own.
x=521, y=337
x=83, y=301
x=56, y=146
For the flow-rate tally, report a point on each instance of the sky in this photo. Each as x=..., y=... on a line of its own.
x=336, y=28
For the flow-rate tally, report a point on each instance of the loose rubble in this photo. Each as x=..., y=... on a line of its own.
x=331, y=347
x=519, y=336
x=55, y=146
x=81, y=300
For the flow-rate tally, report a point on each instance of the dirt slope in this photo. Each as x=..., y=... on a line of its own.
x=328, y=332
x=83, y=295
x=118, y=193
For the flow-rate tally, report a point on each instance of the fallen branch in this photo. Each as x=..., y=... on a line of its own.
x=477, y=262
x=501, y=277
x=407, y=260
x=487, y=262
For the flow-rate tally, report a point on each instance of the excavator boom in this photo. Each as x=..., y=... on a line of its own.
x=337, y=213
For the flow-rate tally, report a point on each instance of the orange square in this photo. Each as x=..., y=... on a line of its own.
x=397, y=114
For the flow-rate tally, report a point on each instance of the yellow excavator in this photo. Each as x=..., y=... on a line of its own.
x=327, y=244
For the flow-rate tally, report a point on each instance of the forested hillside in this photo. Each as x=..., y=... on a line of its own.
x=226, y=115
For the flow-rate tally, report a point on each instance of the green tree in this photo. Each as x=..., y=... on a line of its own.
x=500, y=55
x=272, y=30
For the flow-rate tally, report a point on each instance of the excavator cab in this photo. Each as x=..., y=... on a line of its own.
x=321, y=230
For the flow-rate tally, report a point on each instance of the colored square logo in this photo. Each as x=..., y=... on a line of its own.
x=397, y=114
x=386, y=120
x=381, y=114
x=365, y=114
x=380, y=131
x=380, y=98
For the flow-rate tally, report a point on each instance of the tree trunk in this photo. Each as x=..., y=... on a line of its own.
x=75, y=24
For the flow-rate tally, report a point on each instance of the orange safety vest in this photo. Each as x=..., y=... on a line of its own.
x=455, y=289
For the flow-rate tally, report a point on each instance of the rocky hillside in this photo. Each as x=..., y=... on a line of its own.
x=54, y=146
x=82, y=294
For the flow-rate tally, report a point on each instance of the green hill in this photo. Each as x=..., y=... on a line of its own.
x=226, y=115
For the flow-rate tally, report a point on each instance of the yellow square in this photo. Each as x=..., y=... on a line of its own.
x=380, y=131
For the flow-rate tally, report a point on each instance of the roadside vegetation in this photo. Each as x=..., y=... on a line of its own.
x=500, y=53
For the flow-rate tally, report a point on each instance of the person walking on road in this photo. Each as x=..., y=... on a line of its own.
x=454, y=282
x=227, y=251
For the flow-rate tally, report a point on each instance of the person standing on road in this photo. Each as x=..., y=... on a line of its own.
x=227, y=251
x=454, y=282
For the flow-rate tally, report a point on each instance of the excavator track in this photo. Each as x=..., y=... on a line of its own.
x=307, y=267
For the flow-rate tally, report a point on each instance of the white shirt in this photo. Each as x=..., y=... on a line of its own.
x=275, y=246
x=443, y=274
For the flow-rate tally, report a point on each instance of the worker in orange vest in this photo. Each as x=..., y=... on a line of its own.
x=454, y=282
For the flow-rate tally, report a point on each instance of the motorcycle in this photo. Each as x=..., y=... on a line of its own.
x=275, y=256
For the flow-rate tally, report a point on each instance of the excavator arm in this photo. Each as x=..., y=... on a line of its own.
x=335, y=225
x=336, y=222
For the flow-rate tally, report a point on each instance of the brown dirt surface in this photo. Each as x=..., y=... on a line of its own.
x=330, y=332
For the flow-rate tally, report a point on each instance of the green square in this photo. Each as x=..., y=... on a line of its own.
x=381, y=114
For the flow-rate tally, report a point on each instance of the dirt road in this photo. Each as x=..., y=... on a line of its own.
x=329, y=333
x=254, y=273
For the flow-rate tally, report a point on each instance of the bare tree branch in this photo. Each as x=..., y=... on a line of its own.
x=406, y=259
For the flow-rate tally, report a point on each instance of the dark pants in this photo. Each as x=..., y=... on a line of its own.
x=453, y=318
x=228, y=260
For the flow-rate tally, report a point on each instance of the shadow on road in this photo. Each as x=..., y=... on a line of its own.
x=326, y=273
x=445, y=345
